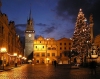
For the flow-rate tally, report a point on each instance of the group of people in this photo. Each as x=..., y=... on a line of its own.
x=93, y=66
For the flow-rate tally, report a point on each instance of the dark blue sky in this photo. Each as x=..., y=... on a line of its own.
x=52, y=18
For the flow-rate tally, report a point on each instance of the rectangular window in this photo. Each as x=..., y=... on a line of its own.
x=43, y=54
x=0, y=29
x=37, y=54
x=60, y=54
x=60, y=43
x=64, y=43
x=69, y=43
x=53, y=54
x=48, y=54
x=60, y=48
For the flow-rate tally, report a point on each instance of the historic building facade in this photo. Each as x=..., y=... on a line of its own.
x=9, y=40
x=48, y=50
x=29, y=36
x=97, y=41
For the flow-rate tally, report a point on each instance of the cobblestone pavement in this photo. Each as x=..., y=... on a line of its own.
x=48, y=72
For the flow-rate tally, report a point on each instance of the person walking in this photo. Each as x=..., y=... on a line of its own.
x=55, y=63
x=93, y=67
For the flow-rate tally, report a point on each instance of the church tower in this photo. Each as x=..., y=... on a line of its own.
x=29, y=36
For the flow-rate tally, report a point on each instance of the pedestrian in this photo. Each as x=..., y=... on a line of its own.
x=0, y=62
x=15, y=63
x=55, y=63
x=93, y=65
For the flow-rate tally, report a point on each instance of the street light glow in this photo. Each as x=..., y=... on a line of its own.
x=20, y=56
x=3, y=50
x=15, y=54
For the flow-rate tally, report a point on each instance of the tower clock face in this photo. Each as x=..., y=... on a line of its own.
x=29, y=35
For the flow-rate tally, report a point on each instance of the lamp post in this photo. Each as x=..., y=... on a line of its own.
x=15, y=54
x=3, y=51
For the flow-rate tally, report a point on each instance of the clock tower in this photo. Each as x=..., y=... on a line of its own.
x=29, y=36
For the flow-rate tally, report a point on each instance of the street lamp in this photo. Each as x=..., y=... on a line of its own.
x=15, y=54
x=3, y=51
x=24, y=59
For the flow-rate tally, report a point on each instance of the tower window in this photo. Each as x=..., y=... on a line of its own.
x=40, y=41
x=36, y=46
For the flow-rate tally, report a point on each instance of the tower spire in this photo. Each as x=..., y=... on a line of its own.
x=30, y=14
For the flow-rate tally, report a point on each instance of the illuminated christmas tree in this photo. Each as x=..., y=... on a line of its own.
x=82, y=35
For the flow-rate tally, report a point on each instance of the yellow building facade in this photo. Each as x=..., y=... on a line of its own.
x=46, y=50
x=9, y=40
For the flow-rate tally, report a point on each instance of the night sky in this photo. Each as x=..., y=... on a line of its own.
x=52, y=18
